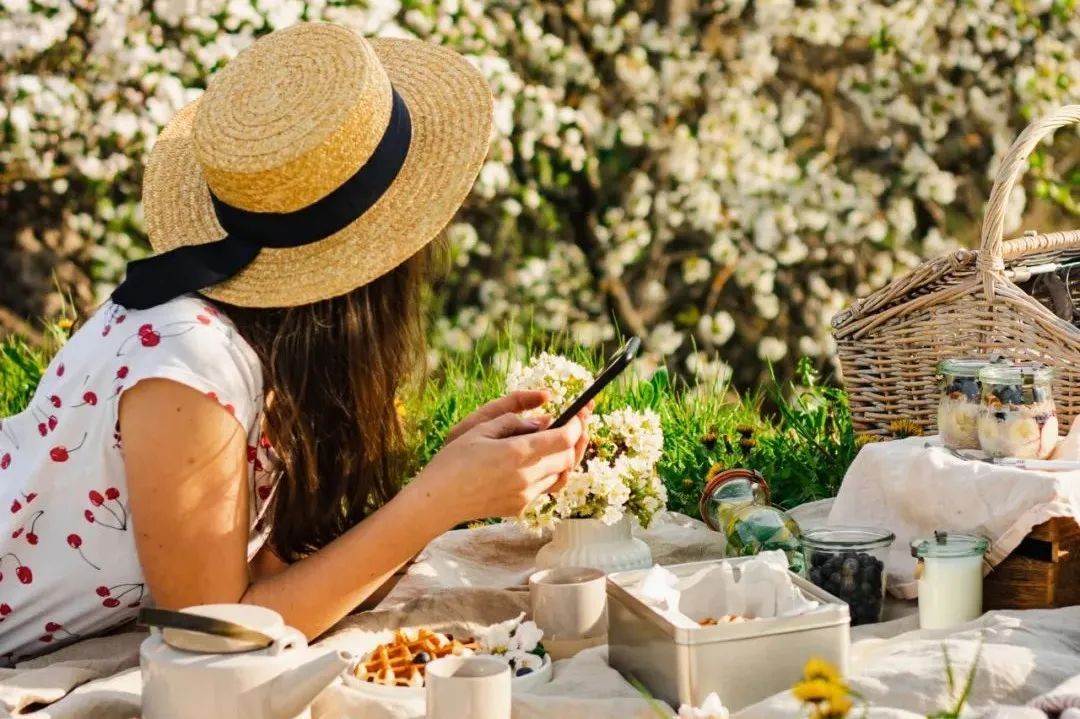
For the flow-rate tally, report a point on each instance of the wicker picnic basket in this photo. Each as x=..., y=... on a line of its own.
x=1012, y=297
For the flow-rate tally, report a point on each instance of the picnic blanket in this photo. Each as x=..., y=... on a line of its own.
x=914, y=489
x=1025, y=655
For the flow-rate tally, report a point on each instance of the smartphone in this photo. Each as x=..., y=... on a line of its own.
x=620, y=361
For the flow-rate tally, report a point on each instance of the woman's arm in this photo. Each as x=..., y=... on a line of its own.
x=185, y=459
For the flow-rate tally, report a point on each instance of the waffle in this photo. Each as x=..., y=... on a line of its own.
x=401, y=661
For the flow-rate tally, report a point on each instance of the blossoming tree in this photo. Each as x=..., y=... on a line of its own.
x=717, y=175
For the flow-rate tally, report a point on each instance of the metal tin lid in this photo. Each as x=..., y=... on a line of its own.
x=949, y=544
x=1016, y=373
x=962, y=367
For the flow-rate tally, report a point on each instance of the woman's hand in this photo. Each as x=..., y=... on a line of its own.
x=497, y=467
x=516, y=402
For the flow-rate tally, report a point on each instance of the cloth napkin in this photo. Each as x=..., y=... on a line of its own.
x=913, y=490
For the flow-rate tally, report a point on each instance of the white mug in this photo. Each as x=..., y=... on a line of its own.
x=570, y=605
x=477, y=687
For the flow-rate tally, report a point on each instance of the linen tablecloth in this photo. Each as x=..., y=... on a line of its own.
x=1026, y=653
x=913, y=490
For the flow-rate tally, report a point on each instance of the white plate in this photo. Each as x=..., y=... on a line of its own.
x=381, y=691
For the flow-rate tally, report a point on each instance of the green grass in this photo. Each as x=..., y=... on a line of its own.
x=22, y=364
x=798, y=435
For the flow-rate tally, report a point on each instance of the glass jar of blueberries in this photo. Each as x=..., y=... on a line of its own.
x=849, y=563
x=1018, y=417
x=958, y=408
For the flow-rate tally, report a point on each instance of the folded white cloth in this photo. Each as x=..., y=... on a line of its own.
x=913, y=490
x=763, y=589
x=1062, y=700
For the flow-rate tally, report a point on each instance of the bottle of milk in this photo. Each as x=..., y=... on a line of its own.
x=950, y=574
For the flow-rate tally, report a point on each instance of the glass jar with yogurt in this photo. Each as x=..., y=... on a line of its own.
x=961, y=400
x=950, y=573
x=1018, y=417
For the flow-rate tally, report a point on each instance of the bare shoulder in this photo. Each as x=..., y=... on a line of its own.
x=175, y=429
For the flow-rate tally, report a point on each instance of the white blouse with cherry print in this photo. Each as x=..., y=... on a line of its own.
x=68, y=565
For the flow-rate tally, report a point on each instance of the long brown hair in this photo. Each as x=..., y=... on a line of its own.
x=331, y=373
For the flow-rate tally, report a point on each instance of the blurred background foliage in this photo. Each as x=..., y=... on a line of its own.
x=718, y=176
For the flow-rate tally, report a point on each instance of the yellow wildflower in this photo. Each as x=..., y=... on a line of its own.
x=815, y=691
x=817, y=668
x=863, y=439
x=905, y=428
x=839, y=706
x=65, y=323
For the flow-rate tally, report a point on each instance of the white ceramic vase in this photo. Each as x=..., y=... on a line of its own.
x=591, y=543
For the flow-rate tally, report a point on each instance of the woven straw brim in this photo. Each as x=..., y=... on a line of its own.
x=450, y=106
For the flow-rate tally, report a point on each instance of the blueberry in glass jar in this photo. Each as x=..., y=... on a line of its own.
x=847, y=562
x=1018, y=417
x=958, y=406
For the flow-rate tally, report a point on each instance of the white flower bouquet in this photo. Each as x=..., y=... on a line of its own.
x=618, y=474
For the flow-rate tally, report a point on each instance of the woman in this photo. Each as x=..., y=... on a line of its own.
x=291, y=207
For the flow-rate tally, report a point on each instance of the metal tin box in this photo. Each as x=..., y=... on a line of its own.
x=743, y=663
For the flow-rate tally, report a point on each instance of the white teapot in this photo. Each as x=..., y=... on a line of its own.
x=190, y=674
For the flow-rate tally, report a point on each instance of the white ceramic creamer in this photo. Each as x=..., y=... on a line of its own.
x=188, y=675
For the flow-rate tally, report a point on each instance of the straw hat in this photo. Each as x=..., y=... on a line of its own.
x=289, y=121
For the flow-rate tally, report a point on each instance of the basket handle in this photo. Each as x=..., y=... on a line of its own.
x=991, y=260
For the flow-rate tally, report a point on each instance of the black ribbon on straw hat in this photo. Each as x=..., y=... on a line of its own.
x=160, y=278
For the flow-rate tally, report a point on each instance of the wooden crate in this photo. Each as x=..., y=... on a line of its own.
x=1043, y=572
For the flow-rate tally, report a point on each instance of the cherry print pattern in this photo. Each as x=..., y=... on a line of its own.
x=151, y=336
x=46, y=422
x=22, y=571
x=54, y=628
x=75, y=542
x=110, y=502
x=112, y=596
x=31, y=536
x=9, y=433
x=60, y=453
x=65, y=419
